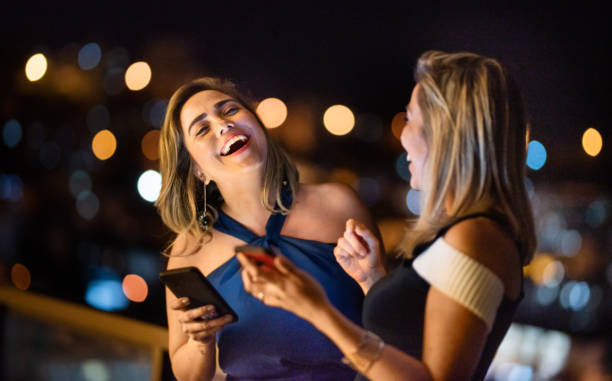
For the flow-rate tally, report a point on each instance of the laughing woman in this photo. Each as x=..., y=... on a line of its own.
x=226, y=183
x=443, y=312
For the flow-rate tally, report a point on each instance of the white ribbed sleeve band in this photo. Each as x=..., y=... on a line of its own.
x=462, y=278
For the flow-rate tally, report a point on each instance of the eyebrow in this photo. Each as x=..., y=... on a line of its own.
x=203, y=115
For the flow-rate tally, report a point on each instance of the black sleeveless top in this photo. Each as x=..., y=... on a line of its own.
x=394, y=307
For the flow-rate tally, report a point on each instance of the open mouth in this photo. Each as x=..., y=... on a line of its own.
x=234, y=144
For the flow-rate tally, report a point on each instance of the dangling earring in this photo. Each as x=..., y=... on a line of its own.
x=203, y=219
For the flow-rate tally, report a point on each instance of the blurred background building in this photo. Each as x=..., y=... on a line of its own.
x=85, y=88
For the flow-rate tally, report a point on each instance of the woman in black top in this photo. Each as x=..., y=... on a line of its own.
x=443, y=312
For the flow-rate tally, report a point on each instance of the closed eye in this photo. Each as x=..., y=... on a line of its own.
x=202, y=130
x=231, y=110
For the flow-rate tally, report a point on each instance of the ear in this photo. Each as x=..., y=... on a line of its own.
x=197, y=172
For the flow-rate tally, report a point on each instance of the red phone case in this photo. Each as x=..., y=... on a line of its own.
x=259, y=254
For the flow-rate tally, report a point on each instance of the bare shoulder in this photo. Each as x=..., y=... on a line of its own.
x=322, y=211
x=181, y=252
x=186, y=251
x=488, y=243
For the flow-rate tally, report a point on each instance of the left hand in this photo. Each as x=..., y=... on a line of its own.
x=288, y=287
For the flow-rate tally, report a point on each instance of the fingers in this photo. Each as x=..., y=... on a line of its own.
x=205, y=330
x=364, y=233
x=179, y=303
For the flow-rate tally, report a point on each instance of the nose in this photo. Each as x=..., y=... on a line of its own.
x=223, y=127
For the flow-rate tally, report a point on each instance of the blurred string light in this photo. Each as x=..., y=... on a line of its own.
x=536, y=155
x=12, y=133
x=338, y=120
x=104, y=145
x=570, y=242
x=50, y=155
x=413, y=201
x=135, y=288
x=138, y=76
x=36, y=67
x=397, y=124
x=546, y=295
x=104, y=290
x=597, y=213
x=150, y=145
x=20, y=276
x=401, y=167
x=11, y=188
x=89, y=56
x=592, y=142
x=369, y=190
x=272, y=112
x=79, y=182
x=95, y=370
x=574, y=295
x=368, y=127
x=87, y=204
x=553, y=274
x=98, y=118
x=154, y=112
x=149, y=185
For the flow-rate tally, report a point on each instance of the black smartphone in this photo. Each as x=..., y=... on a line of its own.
x=190, y=282
x=260, y=255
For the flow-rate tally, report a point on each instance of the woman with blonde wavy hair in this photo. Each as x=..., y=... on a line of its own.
x=442, y=313
x=226, y=183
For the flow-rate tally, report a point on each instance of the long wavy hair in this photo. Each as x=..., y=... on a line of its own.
x=475, y=127
x=181, y=197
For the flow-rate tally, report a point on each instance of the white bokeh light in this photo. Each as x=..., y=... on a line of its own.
x=149, y=185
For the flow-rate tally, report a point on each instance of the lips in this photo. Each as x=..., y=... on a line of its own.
x=234, y=144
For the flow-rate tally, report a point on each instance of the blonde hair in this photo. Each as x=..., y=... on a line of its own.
x=179, y=202
x=475, y=128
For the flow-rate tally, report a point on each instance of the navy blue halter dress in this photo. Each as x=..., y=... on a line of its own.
x=269, y=343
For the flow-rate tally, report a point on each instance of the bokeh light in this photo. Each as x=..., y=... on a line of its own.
x=150, y=145
x=345, y=176
x=12, y=133
x=114, y=81
x=135, y=288
x=272, y=112
x=95, y=370
x=401, y=167
x=87, y=204
x=104, y=144
x=592, y=142
x=138, y=76
x=36, y=67
x=20, y=276
x=104, y=290
x=89, y=56
x=570, y=242
x=11, y=187
x=79, y=182
x=397, y=124
x=413, y=201
x=154, y=112
x=536, y=155
x=338, y=120
x=149, y=185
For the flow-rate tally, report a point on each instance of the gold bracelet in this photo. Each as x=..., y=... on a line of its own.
x=368, y=351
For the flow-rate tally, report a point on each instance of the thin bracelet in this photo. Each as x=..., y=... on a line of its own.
x=368, y=351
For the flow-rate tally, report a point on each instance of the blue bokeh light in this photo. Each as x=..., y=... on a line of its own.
x=12, y=133
x=536, y=155
x=89, y=56
x=401, y=167
x=104, y=290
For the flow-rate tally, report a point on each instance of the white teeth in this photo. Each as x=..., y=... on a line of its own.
x=229, y=143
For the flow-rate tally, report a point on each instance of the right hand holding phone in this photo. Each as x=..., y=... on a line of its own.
x=357, y=252
x=201, y=323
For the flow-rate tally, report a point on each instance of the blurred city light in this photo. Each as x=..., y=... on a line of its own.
x=401, y=167
x=104, y=144
x=413, y=201
x=79, y=182
x=104, y=291
x=154, y=112
x=150, y=145
x=36, y=67
x=98, y=118
x=135, y=288
x=536, y=155
x=338, y=120
x=11, y=187
x=12, y=133
x=95, y=370
x=89, y=56
x=397, y=124
x=20, y=276
x=570, y=242
x=149, y=185
x=597, y=213
x=592, y=142
x=553, y=274
x=546, y=295
x=87, y=204
x=272, y=112
x=138, y=76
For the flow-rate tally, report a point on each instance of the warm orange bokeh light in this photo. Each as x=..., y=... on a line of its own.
x=345, y=176
x=272, y=112
x=138, y=76
x=339, y=120
x=20, y=276
x=104, y=144
x=135, y=288
x=592, y=142
x=397, y=124
x=150, y=145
